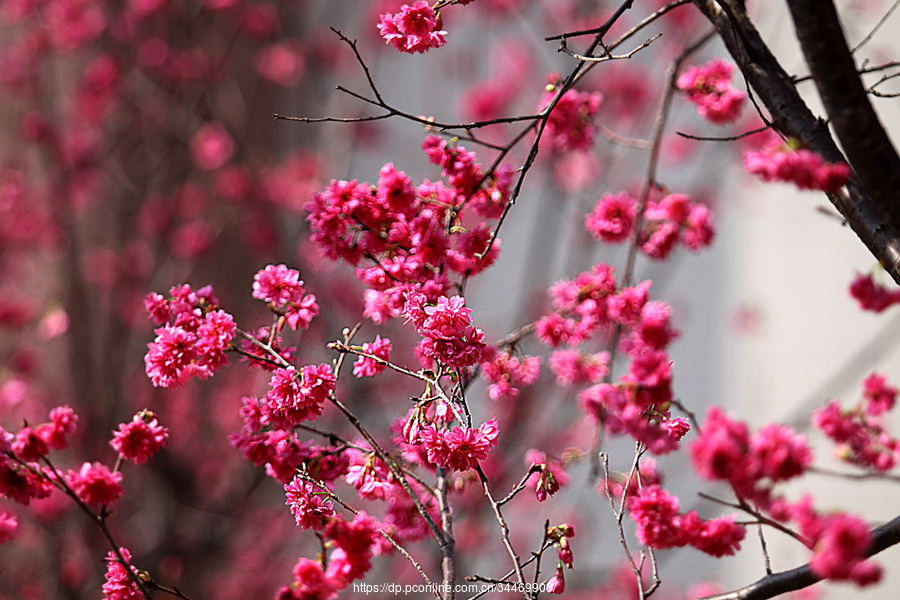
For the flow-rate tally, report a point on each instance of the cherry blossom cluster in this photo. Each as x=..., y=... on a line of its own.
x=570, y=125
x=448, y=336
x=352, y=543
x=667, y=221
x=709, y=88
x=193, y=338
x=415, y=28
x=593, y=304
x=119, y=585
x=401, y=236
x=778, y=160
x=23, y=478
x=872, y=295
x=725, y=450
x=860, y=433
x=283, y=289
x=298, y=394
x=752, y=464
x=661, y=524
x=507, y=374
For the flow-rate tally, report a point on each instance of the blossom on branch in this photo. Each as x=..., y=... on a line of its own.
x=119, y=585
x=785, y=161
x=365, y=366
x=661, y=524
x=459, y=448
x=310, y=506
x=416, y=28
x=709, y=88
x=140, y=438
x=871, y=295
x=95, y=484
x=570, y=125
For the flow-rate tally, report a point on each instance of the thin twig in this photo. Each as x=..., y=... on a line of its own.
x=608, y=57
x=504, y=532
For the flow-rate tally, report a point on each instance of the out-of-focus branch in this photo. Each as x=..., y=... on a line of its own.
x=791, y=116
x=883, y=537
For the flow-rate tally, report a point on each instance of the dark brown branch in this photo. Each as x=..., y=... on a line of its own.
x=864, y=140
x=883, y=537
x=791, y=116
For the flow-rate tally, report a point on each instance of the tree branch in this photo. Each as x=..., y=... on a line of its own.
x=866, y=144
x=883, y=537
x=791, y=116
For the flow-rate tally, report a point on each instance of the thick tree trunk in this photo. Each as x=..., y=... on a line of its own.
x=866, y=202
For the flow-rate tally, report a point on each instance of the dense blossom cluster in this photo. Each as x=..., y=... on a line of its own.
x=193, y=338
x=665, y=222
x=592, y=304
x=458, y=448
x=415, y=28
x=709, y=88
x=95, y=484
x=725, y=450
x=661, y=524
x=401, y=236
x=448, y=336
x=283, y=289
x=778, y=160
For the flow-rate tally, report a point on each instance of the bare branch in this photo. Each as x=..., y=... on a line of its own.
x=883, y=537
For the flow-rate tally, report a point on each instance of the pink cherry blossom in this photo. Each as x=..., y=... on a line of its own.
x=612, y=217
x=310, y=506
x=416, y=28
x=119, y=585
x=95, y=484
x=368, y=367
x=140, y=438
x=459, y=448
x=708, y=87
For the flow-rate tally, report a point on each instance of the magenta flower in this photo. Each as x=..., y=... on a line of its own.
x=310, y=506
x=871, y=295
x=140, y=438
x=95, y=484
x=416, y=28
x=63, y=422
x=119, y=585
x=840, y=550
x=169, y=361
x=879, y=396
x=368, y=367
x=571, y=124
x=612, y=217
x=460, y=448
x=277, y=284
x=297, y=397
x=780, y=161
